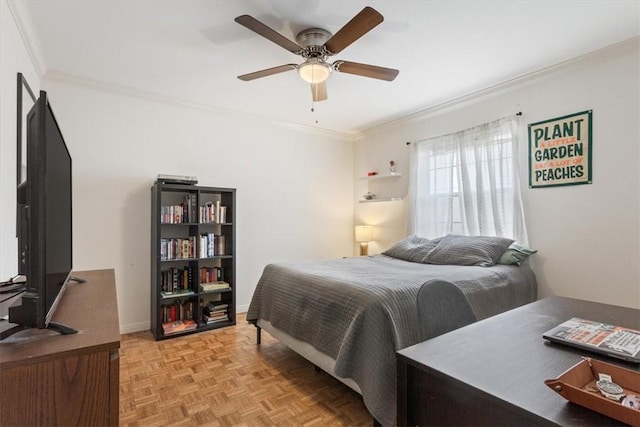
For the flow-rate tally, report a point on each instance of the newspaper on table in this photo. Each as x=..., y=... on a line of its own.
x=615, y=341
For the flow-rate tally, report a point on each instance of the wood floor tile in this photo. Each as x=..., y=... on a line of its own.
x=222, y=378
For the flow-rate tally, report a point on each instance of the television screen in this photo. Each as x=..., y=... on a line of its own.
x=57, y=182
x=44, y=218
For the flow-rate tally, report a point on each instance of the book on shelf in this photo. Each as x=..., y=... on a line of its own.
x=212, y=309
x=209, y=319
x=179, y=292
x=179, y=326
x=193, y=211
x=221, y=245
x=214, y=286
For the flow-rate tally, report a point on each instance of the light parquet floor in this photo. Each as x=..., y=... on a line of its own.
x=223, y=378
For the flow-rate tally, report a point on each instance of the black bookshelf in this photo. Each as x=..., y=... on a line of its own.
x=192, y=259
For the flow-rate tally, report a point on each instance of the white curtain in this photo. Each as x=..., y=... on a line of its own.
x=468, y=183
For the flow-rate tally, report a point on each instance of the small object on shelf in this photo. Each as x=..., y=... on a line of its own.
x=392, y=166
x=372, y=173
x=369, y=195
x=177, y=179
x=576, y=385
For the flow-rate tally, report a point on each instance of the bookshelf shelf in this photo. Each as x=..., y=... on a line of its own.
x=192, y=243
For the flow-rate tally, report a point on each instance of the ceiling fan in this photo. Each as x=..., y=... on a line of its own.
x=315, y=45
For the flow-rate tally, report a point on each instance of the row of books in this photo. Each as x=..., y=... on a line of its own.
x=180, y=248
x=179, y=310
x=179, y=280
x=213, y=212
x=176, y=280
x=185, y=213
x=212, y=245
x=206, y=246
x=180, y=214
x=211, y=274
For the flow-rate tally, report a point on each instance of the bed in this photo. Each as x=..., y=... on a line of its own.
x=349, y=316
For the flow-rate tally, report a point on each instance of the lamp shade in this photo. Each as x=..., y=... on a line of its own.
x=314, y=71
x=364, y=233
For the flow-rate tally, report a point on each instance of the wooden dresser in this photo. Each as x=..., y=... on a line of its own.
x=71, y=380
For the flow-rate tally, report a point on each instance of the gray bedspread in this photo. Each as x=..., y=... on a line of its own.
x=360, y=311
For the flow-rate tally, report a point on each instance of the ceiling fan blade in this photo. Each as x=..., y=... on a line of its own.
x=319, y=91
x=361, y=24
x=267, y=72
x=366, y=70
x=268, y=33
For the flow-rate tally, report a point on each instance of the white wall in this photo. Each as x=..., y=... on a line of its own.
x=13, y=59
x=588, y=236
x=294, y=187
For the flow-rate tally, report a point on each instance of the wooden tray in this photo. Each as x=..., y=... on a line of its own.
x=573, y=384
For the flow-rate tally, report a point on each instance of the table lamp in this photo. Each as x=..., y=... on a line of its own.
x=364, y=234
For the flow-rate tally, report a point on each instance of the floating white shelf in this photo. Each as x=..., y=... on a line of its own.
x=386, y=199
x=381, y=176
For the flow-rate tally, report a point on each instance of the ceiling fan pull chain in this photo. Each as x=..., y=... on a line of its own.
x=313, y=110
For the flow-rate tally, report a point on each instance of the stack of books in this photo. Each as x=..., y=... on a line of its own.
x=214, y=286
x=214, y=313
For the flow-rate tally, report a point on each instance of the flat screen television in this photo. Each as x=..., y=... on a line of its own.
x=44, y=220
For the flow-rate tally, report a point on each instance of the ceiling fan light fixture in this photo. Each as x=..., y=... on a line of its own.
x=314, y=71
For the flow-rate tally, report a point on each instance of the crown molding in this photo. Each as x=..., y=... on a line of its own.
x=594, y=57
x=22, y=17
x=65, y=78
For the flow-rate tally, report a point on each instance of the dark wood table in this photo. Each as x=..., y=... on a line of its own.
x=492, y=372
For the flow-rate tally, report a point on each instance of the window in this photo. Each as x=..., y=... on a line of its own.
x=467, y=183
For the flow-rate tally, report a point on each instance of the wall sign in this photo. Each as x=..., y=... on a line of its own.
x=560, y=151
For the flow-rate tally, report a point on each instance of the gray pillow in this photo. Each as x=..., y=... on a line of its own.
x=483, y=251
x=412, y=248
x=516, y=254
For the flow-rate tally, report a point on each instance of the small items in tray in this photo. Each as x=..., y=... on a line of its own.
x=602, y=387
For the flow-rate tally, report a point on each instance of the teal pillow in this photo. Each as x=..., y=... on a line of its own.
x=516, y=255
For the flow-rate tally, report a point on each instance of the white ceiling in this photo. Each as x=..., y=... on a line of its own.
x=192, y=50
